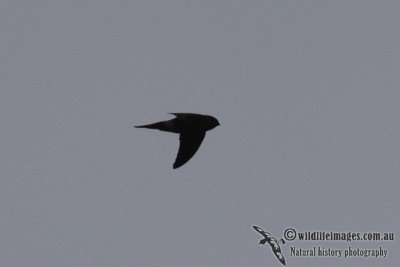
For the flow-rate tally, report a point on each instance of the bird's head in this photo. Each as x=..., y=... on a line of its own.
x=211, y=122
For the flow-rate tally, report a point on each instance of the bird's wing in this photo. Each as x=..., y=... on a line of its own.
x=180, y=114
x=261, y=231
x=190, y=142
x=277, y=251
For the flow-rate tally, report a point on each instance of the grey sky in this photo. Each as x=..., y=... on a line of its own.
x=307, y=93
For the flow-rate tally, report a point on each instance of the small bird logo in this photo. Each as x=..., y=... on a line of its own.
x=191, y=129
x=273, y=242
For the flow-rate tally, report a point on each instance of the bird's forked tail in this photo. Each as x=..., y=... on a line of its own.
x=162, y=126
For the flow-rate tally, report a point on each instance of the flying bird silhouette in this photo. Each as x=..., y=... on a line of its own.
x=191, y=129
x=273, y=242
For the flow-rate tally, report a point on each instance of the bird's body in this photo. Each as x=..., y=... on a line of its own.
x=191, y=128
x=273, y=242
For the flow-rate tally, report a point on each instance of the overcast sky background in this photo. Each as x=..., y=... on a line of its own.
x=307, y=94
